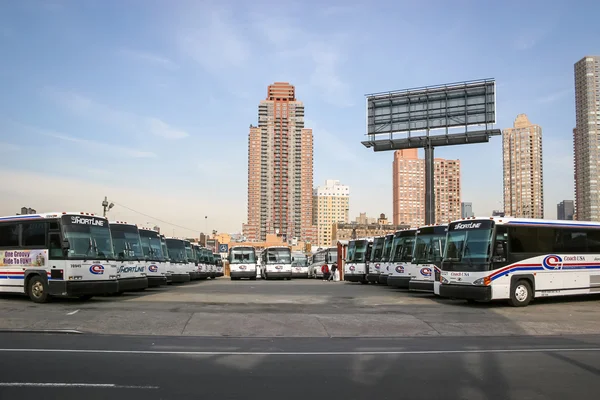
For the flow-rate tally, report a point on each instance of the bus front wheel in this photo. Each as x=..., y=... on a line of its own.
x=37, y=289
x=521, y=294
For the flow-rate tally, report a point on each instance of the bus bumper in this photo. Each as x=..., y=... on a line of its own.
x=401, y=282
x=373, y=278
x=156, y=280
x=420, y=286
x=194, y=275
x=169, y=277
x=278, y=275
x=242, y=274
x=354, y=278
x=81, y=288
x=300, y=274
x=383, y=279
x=467, y=292
x=180, y=278
x=131, y=284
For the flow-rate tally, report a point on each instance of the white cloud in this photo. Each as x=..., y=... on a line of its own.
x=122, y=120
x=125, y=151
x=215, y=42
x=149, y=58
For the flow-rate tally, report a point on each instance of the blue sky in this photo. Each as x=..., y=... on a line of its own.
x=149, y=102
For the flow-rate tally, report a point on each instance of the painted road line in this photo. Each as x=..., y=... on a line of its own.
x=73, y=385
x=306, y=353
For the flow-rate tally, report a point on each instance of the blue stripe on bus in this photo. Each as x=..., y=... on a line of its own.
x=516, y=268
x=18, y=217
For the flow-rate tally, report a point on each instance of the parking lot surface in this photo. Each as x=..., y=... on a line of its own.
x=297, y=308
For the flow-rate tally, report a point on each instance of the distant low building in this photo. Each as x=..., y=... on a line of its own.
x=342, y=231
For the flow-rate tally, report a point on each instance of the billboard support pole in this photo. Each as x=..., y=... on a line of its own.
x=429, y=185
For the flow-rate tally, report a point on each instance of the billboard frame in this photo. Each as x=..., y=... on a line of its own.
x=431, y=108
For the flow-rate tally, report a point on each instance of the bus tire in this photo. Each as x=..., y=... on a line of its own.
x=37, y=289
x=520, y=293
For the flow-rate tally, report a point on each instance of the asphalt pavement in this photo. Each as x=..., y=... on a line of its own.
x=297, y=308
x=125, y=367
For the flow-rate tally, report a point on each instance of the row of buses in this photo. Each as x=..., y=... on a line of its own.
x=277, y=262
x=83, y=255
x=484, y=259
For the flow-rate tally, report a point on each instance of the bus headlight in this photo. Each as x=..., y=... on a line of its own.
x=482, y=281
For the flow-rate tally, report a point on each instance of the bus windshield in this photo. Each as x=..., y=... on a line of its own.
x=176, y=250
x=126, y=242
x=377, y=250
x=189, y=253
x=279, y=256
x=468, y=245
x=429, y=248
x=387, y=248
x=163, y=245
x=151, y=245
x=242, y=255
x=88, y=237
x=402, y=247
x=209, y=257
x=357, y=251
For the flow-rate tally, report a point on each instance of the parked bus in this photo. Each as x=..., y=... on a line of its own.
x=201, y=267
x=131, y=262
x=242, y=263
x=323, y=257
x=190, y=260
x=56, y=254
x=218, y=264
x=210, y=261
x=277, y=262
x=359, y=251
x=401, y=259
x=157, y=266
x=299, y=265
x=178, y=260
x=170, y=269
x=518, y=259
x=427, y=256
x=374, y=266
x=384, y=265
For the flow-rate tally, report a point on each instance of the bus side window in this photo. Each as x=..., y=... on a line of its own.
x=54, y=246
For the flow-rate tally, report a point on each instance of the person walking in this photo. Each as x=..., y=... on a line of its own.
x=325, y=271
x=333, y=271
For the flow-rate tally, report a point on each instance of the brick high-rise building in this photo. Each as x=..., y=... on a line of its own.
x=523, y=169
x=280, y=169
x=409, y=189
x=585, y=139
x=331, y=204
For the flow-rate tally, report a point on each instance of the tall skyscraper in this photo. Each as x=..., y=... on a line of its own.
x=280, y=169
x=585, y=138
x=409, y=189
x=565, y=210
x=523, y=175
x=330, y=206
x=466, y=210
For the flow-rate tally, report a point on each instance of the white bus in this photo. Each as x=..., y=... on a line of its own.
x=359, y=251
x=202, y=270
x=384, y=265
x=427, y=256
x=170, y=269
x=218, y=264
x=157, y=266
x=299, y=265
x=401, y=259
x=319, y=259
x=56, y=254
x=210, y=261
x=178, y=260
x=131, y=262
x=518, y=259
x=277, y=262
x=374, y=265
x=242, y=263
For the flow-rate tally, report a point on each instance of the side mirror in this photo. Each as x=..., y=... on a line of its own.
x=65, y=244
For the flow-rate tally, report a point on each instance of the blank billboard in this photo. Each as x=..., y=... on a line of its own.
x=435, y=107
